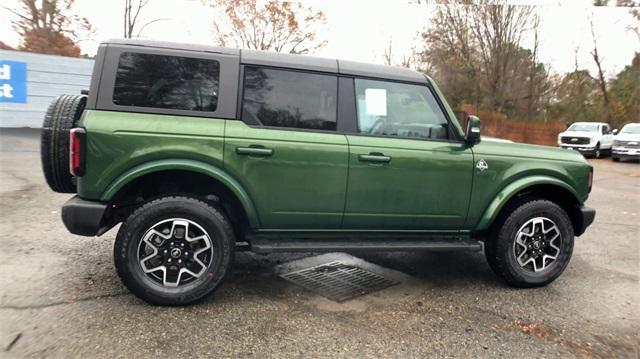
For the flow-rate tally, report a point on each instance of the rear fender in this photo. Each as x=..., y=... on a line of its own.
x=187, y=165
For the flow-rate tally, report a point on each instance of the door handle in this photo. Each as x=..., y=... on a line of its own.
x=375, y=157
x=254, y=151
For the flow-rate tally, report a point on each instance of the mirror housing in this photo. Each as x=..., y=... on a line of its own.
x=615, y=131
x=472, y=133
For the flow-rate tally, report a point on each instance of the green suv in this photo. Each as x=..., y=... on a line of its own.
x=203, y=151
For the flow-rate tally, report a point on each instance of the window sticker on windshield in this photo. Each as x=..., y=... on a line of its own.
x=376, y=102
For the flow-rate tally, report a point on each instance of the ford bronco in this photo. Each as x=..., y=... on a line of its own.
x=201, y=151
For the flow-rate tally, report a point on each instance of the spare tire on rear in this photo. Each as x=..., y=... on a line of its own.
x=61, y=116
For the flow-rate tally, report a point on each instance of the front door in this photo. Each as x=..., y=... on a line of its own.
x=405, y=172
x=286, y=152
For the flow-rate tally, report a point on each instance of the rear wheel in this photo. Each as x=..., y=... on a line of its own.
x=615, y=159
x=61, y=116
x=532, y=245
x=174, y=250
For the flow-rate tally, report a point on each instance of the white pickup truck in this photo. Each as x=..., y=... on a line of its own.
x=590, y=138
x=626, y=144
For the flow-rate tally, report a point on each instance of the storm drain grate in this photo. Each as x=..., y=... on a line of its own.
x=338, y=281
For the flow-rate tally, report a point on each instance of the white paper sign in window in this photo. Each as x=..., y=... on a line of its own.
x=376, y=102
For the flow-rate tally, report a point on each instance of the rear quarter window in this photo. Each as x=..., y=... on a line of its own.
x=166, y=82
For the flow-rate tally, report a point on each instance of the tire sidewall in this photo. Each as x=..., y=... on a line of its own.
x=62, y=115
x=135, y=227
x=507, y=236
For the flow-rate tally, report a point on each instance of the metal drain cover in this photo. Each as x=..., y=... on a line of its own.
x=339, y=280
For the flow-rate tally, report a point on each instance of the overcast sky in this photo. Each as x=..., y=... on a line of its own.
x=360, y=30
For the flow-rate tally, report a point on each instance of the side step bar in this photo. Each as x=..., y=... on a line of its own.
x=275, y=245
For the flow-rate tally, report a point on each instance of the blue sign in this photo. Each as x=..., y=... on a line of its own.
x=13, y=81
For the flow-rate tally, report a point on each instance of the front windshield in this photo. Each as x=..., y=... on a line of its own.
x=635, y=129
x=584, y=127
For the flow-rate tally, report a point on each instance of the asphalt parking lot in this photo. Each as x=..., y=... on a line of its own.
x=60, y=295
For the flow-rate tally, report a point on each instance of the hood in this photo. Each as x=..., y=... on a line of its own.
x=496, y=139
x=526, y=151
x=627, y=137
x=578, y=134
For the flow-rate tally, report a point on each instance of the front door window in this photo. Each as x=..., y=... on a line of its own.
x=399, y=110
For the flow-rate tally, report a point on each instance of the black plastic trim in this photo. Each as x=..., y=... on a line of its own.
x=585, y=219
x=83, y=217
x=347, y=114
x=271, y=246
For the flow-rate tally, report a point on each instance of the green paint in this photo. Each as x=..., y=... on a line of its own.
x=321, y=182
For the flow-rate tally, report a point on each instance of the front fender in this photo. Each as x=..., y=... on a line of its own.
x=187, y=165
x=511, y=190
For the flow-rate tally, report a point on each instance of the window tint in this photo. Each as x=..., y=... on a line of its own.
x=173, y=82
x=289, y=99
x=397, y=109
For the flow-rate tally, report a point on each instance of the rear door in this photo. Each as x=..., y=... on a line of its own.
x=286, y=151
x=406, y=172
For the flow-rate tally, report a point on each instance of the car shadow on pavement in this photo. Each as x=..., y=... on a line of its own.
x=431, y=269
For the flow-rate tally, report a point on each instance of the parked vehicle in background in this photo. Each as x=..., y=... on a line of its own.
x=626, y=144
x=590, y=138
x=201, y=151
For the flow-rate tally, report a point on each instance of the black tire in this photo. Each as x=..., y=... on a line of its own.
x=597, y=153
x=130, y=235
x=499, y=247
x=615, y=159
x=61, y=116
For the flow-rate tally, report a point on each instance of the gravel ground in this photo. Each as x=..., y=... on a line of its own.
x=60, y=295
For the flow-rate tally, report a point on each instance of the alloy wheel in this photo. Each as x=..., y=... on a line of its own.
x=175, y=251
x=537, y=244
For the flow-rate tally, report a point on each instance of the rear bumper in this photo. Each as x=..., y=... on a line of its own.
x=84, y=218
x=584, y=220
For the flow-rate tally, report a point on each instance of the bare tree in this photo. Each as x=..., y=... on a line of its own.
x=475, y=48
x=132, y=10
x=277, y=25
x=49, y=27
x=388, y=55
x=602, y=81
x=498, y=31
x=634, y=10
x=533, y=79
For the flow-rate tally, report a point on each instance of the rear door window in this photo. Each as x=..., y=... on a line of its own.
x=167, y=82
x=291, y=99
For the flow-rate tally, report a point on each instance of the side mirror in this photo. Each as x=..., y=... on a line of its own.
x=472, y=133
x=615, y=131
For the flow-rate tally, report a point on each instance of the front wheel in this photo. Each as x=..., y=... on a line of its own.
x=532, y=246
x=596, y=152
x=174, y=250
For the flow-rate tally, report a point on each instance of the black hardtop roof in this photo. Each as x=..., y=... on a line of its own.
x=276, y=59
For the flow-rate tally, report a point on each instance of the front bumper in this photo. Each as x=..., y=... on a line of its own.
x=586, y=215
x=586, y=149
x=625, y=151
x=84, y=218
